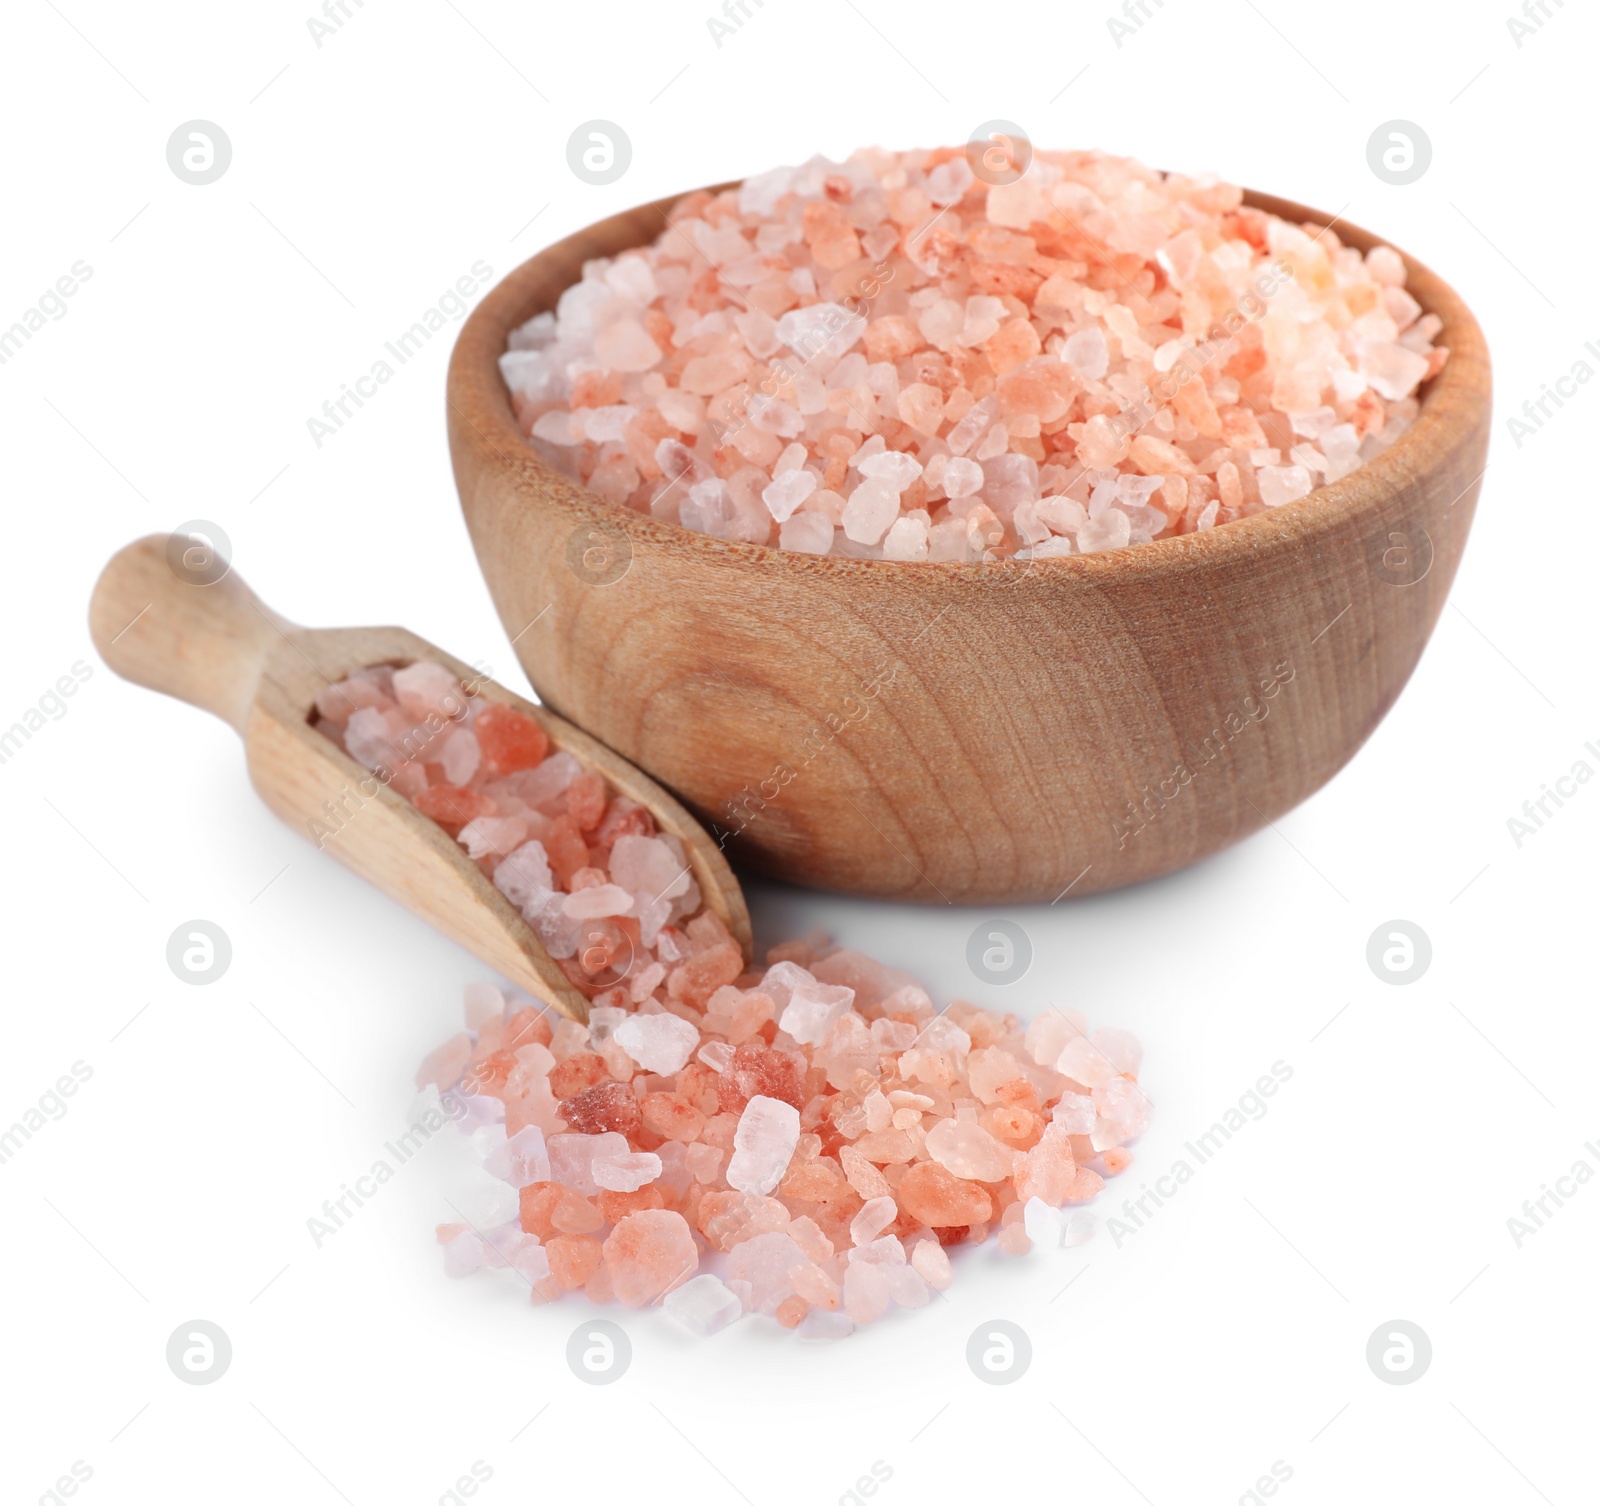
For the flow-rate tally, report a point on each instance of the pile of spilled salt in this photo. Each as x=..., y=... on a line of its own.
x=803, y=1139
x=890, y=358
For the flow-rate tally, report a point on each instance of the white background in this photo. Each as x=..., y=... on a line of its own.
x=1230, y=1332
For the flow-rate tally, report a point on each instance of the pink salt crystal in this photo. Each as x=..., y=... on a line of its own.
x=424, y=687
x=624, y=346
x=962, y=477
x=875, y=1216
x=1084, y=1062
x=1014, y=1240
x=929, y=1260
x=764, y=1265
x=969, y=1151
x=1122, y=1110
x=704, y=1162
x=660, y=1043
x=1047, y=1170
x=1120, y=1048
x=763, y=1144
x=648, y=1253
x=866, y=1292
x=598, y=902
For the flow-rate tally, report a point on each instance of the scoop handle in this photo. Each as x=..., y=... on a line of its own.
x=168, y=614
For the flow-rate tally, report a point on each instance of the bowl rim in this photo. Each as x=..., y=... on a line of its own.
x=1454, y=404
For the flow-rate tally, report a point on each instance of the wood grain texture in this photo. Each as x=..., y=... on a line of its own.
x=975, y=733
x=219, y=648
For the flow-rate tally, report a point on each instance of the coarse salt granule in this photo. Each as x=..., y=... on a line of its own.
x=803, y=1139
x=892, y=358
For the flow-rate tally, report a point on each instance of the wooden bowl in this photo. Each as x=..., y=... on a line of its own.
x=965, y=732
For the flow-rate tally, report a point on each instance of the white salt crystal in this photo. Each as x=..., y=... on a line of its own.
x=646, y=865
x=708, y=508
x=806, y=533
x=572, y=1158
x=627, y=1173
x=463, y=1255
x=774, y=416
x=1283, y=483
x=556, y=427
x=812, y=1008
x=1042, y=1223
x=764, y=1265
x=704, y=1305
x=907, y=539
x=894, y=468
x=524, y=875
x=820, y=329
x=969, y=1151
x=906, y=1286
x=866, y=1292
x=787, y=492
x=1088, y=351
x=499, y=835
x=460, y=754
x=868, y=512
x=718, y=1055
x=962, y=477
x=1111, y=530
x=1392, y=370
x=819, y=1323
x=660, y=1043
x=1119, y=1047
x=632, y=278
x=520, y=1160
x=1074, y=1112
x=875, y=1216
x=763, y=1144
x=603, y=424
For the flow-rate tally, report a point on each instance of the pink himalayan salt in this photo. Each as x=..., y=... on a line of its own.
x=649, y=1253
x=789, y=340
x=817, y=1119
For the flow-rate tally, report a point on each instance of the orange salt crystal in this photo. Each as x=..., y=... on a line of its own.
x=580, y=1071
x=573, y=1258
x=452, y=807
x=934, y=1196
x=508, y=739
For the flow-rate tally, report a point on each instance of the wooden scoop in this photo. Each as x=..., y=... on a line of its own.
x=156, y=622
